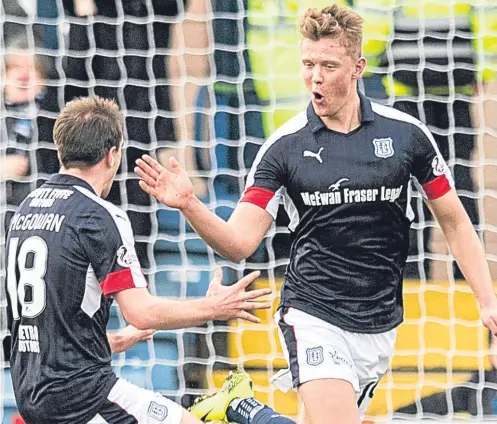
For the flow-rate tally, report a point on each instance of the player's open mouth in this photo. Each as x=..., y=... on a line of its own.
x=317, y=96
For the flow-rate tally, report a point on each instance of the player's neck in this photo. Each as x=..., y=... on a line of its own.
x=347, y=119
x=91, y=176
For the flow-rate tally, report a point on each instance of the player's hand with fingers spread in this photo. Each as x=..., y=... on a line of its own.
x=172, y=188
x=233, y=301
x=127, y=337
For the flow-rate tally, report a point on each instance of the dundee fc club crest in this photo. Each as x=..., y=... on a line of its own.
x=383, y=147
x=157, y=412
x=314, y=356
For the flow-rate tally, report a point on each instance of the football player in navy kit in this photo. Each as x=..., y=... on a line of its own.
x=343, y=169
x=69, y=255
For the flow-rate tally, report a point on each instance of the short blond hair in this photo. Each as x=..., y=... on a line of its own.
x=337, y=22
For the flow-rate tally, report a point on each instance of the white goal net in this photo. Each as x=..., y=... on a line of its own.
x=207, y=82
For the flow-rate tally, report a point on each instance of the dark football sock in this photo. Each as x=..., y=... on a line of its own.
x=251, y=411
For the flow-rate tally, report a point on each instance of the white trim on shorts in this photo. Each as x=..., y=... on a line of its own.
x=130, y=404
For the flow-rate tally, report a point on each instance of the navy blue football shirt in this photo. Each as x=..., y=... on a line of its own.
x=68, y=252
x=348, y=200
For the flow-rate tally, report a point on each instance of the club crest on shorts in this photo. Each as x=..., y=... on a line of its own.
x=157, y=412
x=315, y=356
x=383, y=147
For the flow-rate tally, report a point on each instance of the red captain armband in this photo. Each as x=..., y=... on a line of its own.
x=437, y=188
x=117, y=281
x=17, y=419
x=258, y=196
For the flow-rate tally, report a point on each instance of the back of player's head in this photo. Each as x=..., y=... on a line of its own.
x=86, y=129
x=336, y=22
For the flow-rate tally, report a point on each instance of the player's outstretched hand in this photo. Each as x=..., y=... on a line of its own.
x=233, y=301
x=172, y=188
x=127, y=337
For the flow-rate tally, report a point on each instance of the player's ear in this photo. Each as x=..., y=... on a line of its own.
x=360, y=66
x=111, y=157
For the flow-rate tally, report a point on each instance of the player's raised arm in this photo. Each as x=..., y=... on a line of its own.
x=236, y=239
x=144, y=311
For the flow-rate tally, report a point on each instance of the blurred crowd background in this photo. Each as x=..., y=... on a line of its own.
x=207, y=81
